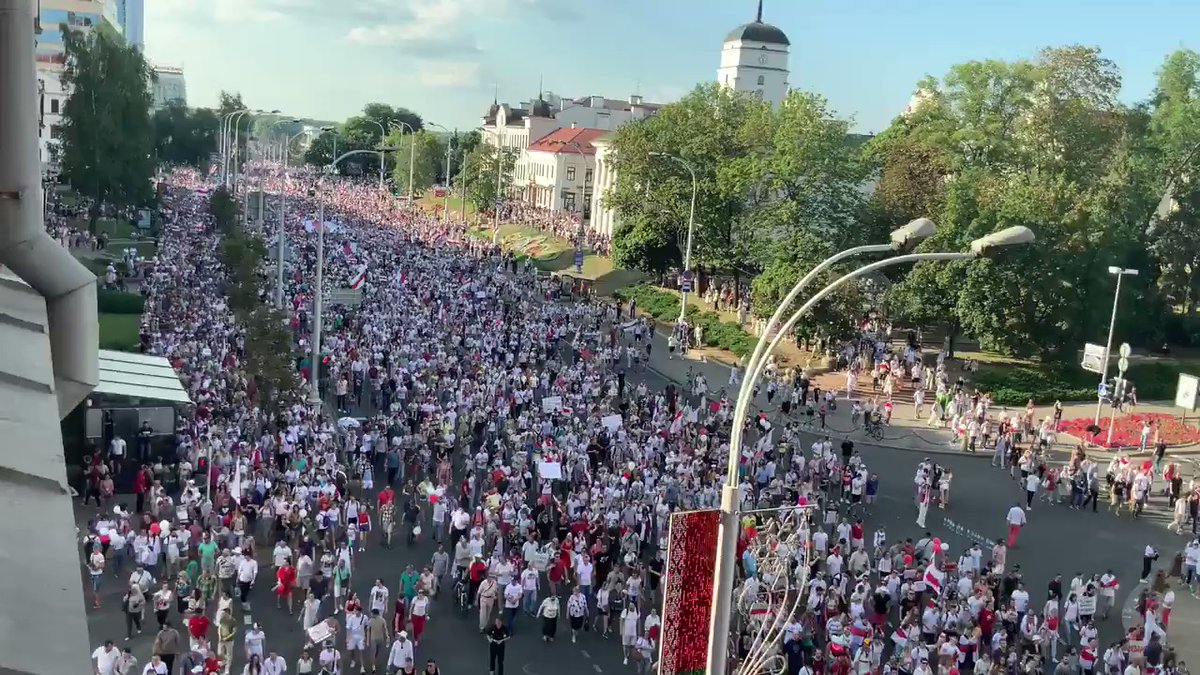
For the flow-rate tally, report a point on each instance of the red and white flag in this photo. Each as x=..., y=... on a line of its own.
x=359, y=278
x=934, y=578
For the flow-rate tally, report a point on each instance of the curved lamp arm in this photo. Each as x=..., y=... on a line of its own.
x=744, y=394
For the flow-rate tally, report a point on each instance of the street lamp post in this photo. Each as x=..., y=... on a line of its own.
x=687, y=252
x=382, y=133
x=499, y=172
x=412, y=153
x=579, y=231
x=282, y=223
x=226, y=142
x=718, y=639
x=1120, y=272
x=449, y=145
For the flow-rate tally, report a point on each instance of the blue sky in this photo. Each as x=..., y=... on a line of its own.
x=444, y=58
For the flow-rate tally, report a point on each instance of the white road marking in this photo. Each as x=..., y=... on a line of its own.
x=585, y=653
x=597, y=667
x=248, y=620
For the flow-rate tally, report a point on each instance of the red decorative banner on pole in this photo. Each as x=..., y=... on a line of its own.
x=688, y=592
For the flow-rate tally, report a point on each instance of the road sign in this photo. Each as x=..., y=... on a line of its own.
x=578, y=261
x=1123, y=364
x=685, y=282
x=1102, y=390
x=1187, y=392
x=1093, y=358
x=1125, y=350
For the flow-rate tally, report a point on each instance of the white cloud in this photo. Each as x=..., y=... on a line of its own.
x=433, y=25
x=448, y=74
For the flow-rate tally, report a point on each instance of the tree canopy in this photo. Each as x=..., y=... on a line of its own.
x=183, y=136
x=478, y=172
x=107, y=137
x=776, y=191
x=1044, y=143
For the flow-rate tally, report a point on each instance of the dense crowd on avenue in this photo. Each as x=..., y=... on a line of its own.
x=465, y=401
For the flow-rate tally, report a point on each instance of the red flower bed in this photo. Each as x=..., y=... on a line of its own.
x=1128, y=430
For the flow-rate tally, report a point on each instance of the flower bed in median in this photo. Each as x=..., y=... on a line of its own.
x=1127, y=431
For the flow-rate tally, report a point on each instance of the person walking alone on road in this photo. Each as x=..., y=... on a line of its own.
x=923, y=495
x=497, y=635
x=1016, y=519
x=1149, y=556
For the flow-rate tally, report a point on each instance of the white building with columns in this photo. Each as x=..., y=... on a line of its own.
x=557, y=171
x=604, y=217
x=754, y=60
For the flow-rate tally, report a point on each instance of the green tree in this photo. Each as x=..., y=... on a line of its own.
x=725, y=137
x=183, y=136
x=479, y=173
x=224, y=209
x=1041, y=143
x=320, y=151
x=107, y=137
x=428, y=156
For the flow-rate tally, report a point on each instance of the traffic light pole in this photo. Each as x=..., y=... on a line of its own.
x=1112, y=324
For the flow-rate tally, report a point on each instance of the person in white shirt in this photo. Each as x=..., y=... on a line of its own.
x=274, y=664
x=529, y=588
x=401, y=654
x=247, y=572
x=104, y=659
x=513, y=595
x=1016, y=518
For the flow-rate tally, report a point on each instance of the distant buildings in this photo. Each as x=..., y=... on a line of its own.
x=131, y=15
x=554, y=142
x=168, y=86
x=55, y=17
x=754, y=60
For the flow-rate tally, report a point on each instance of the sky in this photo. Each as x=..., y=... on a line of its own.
x=448, y=59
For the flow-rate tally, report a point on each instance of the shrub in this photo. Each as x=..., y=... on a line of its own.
x=1049, y=382
x=116, y=302
x=664, y=306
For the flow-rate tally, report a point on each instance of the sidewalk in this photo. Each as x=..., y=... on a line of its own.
x=1184, y=625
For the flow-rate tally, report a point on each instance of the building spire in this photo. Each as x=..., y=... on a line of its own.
x=759, y=19
x=540, y=89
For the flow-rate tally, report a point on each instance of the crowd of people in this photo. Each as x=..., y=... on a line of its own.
x=562, y=224
x=469, y=404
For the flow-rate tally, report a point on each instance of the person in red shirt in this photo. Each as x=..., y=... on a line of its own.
x=285, y=581
x=478, y=572
x=387, y=495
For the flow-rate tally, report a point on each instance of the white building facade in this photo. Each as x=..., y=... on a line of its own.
x=754, y=60
x=548, y=176
x=168, y=86
x=603, y=217
x=557, y=171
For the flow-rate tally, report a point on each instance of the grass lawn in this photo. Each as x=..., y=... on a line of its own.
x=429, y=203
x=557, y=255
x=119, y=331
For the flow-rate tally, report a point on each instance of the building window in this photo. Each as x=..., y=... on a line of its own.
x=568, y=200
x=571, y=173
x=762, y=80
x=53, y=106
x=587, y=176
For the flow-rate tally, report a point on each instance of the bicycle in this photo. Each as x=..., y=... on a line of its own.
x=874, y=430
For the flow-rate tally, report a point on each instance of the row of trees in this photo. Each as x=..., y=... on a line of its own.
x=406, y=143
x=1043, y=142
x=268, y=345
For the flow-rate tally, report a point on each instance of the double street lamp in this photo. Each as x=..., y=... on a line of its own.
x=412, y=151
x=687, y=251
x=915, y=231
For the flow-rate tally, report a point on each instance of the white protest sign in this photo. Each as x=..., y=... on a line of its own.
x=550, y=470
x=611, y=422
x=551, y=404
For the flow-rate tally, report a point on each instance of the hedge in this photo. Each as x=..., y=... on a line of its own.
x=116, y=302
x=664, y=306
x=1047, y=383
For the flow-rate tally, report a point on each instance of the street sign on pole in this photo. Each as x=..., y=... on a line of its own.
x=1122, y=364
x=1093, y=358
x=1125, y=351
x=578, y=261
x=1187, y=392
x=685, y=283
